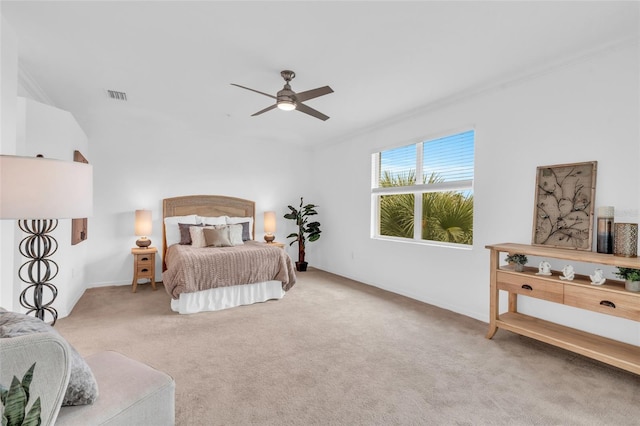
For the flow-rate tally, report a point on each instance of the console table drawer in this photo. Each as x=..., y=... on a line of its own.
x=530, y=286
x=606, y=302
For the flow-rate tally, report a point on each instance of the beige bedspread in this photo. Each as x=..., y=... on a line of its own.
x=193, y=269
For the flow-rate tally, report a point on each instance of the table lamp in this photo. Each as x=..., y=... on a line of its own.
x=37, y=192
x=269, y=226
x=143, y=228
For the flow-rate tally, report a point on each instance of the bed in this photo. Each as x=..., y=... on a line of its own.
x=210, y=259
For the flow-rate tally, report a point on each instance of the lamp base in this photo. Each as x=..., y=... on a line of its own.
x=269, y=238
x=143, y=242
x=38, y=246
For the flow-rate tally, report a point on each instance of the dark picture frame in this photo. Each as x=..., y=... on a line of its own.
x=563, y=210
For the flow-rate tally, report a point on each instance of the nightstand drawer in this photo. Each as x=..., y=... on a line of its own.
x=144, y=271
x=528, y=285
x=145, y=259
x=606, y=302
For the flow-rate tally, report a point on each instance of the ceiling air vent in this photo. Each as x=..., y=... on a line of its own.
x=118, y=96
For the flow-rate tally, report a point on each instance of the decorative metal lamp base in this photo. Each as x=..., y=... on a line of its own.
x=38, y=246
x=269, y=238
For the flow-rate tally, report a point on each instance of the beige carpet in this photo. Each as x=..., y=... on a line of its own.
x=337, y=352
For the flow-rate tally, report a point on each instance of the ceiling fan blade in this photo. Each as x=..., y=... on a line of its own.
x=314, y=93
x=253, y=90
x=312, y=112
x=269, y=108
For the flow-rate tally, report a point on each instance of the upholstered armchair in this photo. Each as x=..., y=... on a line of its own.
x=129, y=392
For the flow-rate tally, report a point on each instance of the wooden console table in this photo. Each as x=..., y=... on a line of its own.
x=610, y=298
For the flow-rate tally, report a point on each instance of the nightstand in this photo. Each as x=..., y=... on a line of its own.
x=277, y=244
x=144, y=266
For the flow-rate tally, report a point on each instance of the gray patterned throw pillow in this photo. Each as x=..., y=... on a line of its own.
x=82, y=388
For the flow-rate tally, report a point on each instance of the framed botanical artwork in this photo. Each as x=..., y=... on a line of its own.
x=563, y=211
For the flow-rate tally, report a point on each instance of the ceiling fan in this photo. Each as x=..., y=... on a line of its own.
x=288, y=100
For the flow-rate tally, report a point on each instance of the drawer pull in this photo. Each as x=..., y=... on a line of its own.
x=527, y=287
x=144, y=258
x=145, y=270
x=607, y=303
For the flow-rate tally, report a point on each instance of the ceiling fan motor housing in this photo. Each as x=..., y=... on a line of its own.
x=286, y=98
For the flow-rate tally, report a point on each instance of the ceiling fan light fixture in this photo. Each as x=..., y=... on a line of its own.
x=288, y=100
x=286, y=105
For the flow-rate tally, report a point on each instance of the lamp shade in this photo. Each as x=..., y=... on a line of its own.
x=269, y=222
x=42, y=188
x=143, y=223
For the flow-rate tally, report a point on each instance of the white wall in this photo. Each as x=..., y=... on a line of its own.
x=586, y=110
x=141, y=158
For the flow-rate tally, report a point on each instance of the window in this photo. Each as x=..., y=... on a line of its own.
x=424, y=191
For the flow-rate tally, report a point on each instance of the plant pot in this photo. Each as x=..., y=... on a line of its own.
x=519, y=267
x=632, y=285
x=301, y=266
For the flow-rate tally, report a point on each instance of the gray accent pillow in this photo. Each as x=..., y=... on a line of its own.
x=82, y=388
x=246, y=231
x=185, y=235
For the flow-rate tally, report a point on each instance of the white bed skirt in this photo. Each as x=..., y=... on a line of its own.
x=220, y=298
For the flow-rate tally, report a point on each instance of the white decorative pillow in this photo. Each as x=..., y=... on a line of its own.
x=213, y=220
x=172, y=229
x=234, y=233
x=197, y=236
x=235, y=220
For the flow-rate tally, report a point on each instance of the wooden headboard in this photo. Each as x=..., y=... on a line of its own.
x=205, y=205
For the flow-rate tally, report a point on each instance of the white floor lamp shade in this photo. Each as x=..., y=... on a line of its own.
x=37, y=192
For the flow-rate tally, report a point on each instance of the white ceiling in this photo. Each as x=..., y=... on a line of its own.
x=176, y=60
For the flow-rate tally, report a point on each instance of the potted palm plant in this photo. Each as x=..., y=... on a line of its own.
x=306, y=231
x=631, y=278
